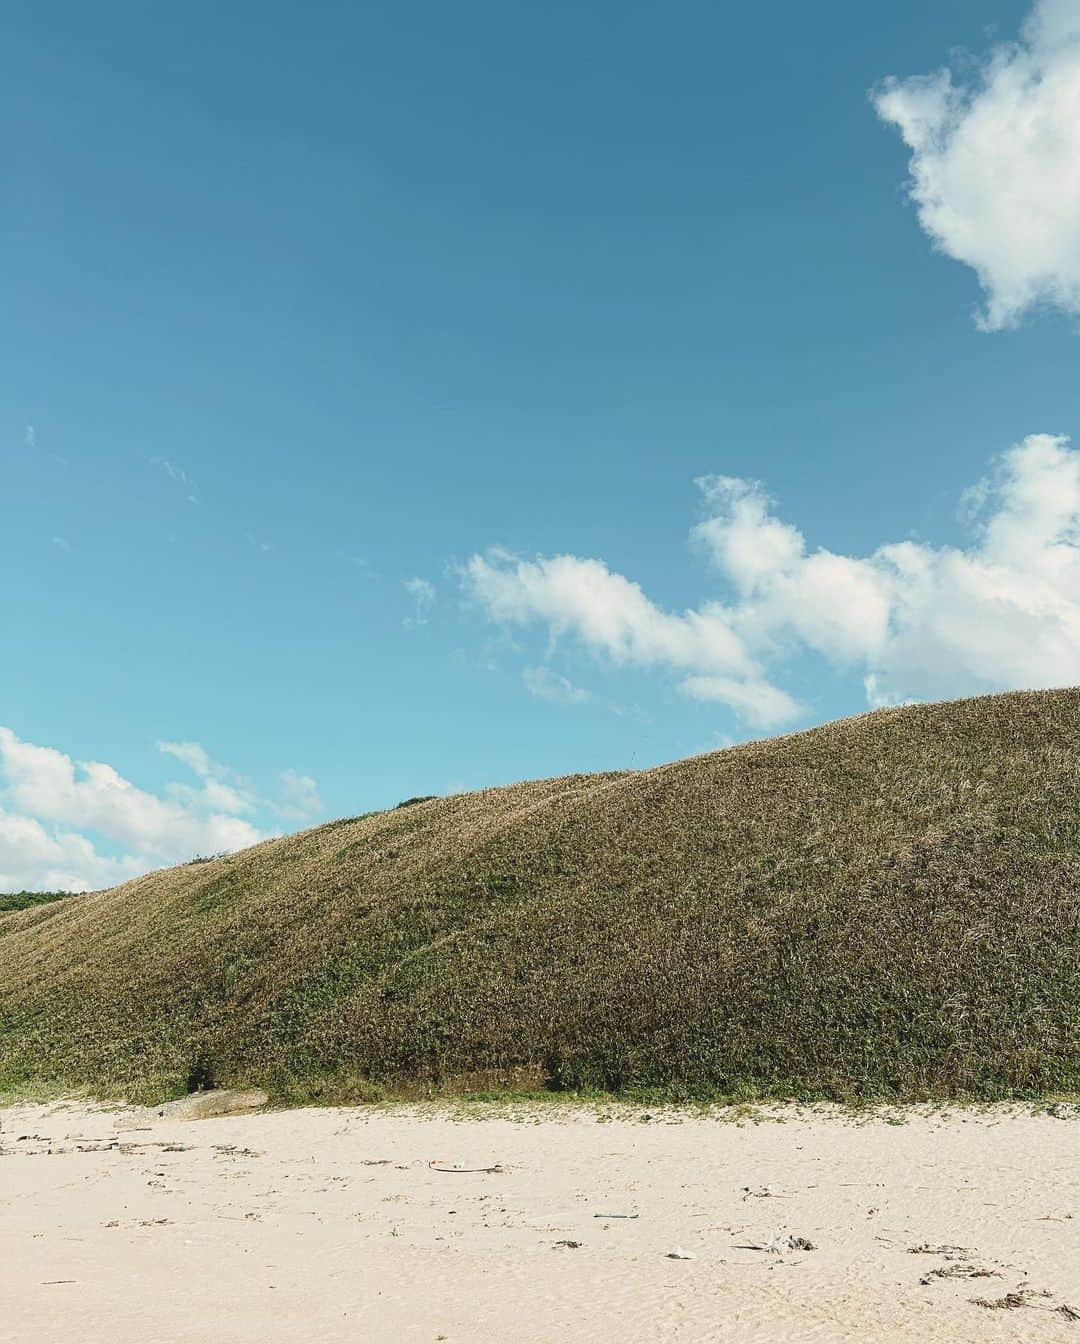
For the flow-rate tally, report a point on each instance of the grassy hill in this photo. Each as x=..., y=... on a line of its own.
x=888, y=906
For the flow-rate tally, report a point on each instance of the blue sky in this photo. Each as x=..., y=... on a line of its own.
x=310, y=307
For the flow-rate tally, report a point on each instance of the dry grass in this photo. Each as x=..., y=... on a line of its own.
x=886, y=907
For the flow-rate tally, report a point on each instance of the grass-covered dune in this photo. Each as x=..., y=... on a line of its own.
x=885, y=907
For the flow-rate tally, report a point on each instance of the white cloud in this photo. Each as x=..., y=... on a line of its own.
x=612, y=616
x=995, y=165
x=67, y=825
x=33, y=858
x=191, y=754
x=423, y=595
x=741, y=534
x=171, y=470
x=754, y=700
x=300, y=799
x=179, y=475
x=920, y=620
x=221, y=789
x=44, y=783
x=548, y=685
x=913, y=620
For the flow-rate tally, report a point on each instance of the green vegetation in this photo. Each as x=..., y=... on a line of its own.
x=886, y=908
x=23, y=900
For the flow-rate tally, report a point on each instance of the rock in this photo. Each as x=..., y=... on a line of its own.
x=207, y=1105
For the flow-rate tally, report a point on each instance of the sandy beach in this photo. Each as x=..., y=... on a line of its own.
x=548, y=1223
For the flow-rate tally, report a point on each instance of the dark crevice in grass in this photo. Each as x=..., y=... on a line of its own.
x=201, y=1076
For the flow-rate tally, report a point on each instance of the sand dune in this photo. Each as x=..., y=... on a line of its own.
x=325, y=1225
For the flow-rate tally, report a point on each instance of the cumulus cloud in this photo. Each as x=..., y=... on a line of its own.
x=34, y=858
x=612, y=616
x=912, y=619
x=923, y=621
x=548, y=685
x=67, y=825
x=48, y=785
x=995, y=164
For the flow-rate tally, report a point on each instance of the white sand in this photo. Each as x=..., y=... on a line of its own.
x=329, y=1225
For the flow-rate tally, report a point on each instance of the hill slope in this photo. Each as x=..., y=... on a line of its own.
x=885, y=906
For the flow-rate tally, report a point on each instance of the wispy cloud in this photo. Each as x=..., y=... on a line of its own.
x=548, y=685
x=299, y=797
x=423, y=594
x=178, y=475
x=171, y=470
x=220, y=788
x=634, y=712
x=360, y=562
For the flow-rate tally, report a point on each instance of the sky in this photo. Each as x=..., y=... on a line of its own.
x=399, y=400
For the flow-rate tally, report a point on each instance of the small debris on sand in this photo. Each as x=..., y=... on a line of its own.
x=778, y=1243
